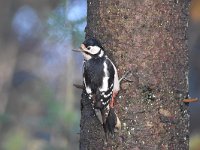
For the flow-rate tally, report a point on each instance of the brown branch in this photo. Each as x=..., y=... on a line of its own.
x=189, y=100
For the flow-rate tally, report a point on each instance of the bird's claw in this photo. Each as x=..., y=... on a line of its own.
x=124, y=77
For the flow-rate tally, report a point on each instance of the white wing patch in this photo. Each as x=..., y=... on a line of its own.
x=88, y=89
x=104, y=86
x=116, y=87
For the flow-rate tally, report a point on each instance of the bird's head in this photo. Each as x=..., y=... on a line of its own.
x=92, y=48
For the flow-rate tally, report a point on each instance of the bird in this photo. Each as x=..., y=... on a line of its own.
x=101, y=83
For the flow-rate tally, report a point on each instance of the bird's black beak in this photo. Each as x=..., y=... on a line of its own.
x=81, y=49
x=76, y=50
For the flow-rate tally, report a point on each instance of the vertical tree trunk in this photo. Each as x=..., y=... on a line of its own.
x=149, y=38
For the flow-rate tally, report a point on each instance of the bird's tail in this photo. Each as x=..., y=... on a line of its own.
x=112, y=121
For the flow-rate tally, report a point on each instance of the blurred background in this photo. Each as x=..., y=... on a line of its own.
x=194, y=73
x=39, y=107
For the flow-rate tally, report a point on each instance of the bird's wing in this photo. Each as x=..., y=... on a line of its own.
x=86, y=81
x=116, y=86
x=104, y=93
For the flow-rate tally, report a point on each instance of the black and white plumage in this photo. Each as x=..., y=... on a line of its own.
x=98, y=79
x=101, y=82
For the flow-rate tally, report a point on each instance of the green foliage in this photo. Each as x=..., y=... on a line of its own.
x=4, y=118
x=57, y=113
x=195, y=142
x=15, y=140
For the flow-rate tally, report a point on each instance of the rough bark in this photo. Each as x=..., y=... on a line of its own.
x=149, y=38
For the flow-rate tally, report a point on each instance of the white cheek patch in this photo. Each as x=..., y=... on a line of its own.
x=94, y=49
x=86, y=57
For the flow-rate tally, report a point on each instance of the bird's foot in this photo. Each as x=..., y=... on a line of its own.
x=125, y=77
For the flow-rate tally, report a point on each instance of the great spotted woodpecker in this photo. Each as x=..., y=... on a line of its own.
x=101, y=83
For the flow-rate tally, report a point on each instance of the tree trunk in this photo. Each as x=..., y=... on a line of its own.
x=149, y=38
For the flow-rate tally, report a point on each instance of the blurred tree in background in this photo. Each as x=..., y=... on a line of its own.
x=38, y=104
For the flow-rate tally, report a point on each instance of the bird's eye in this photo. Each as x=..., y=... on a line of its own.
x=88, y=48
